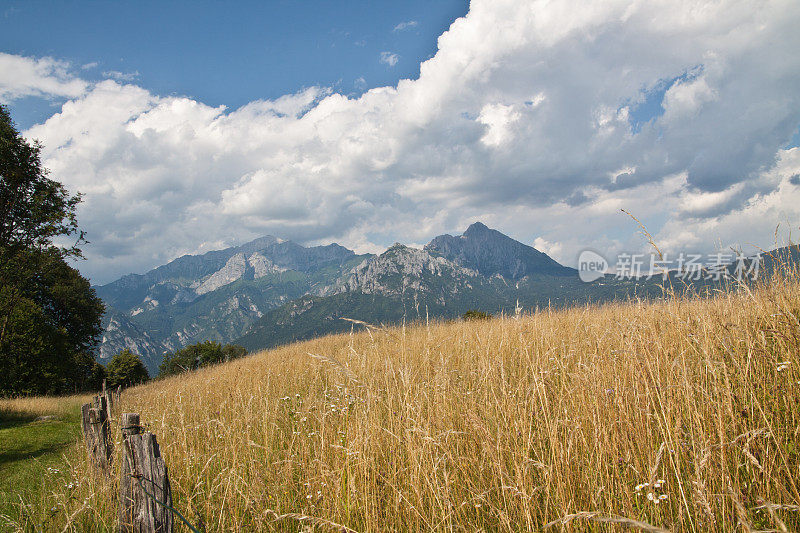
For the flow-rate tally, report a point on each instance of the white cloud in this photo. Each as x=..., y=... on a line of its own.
x=407, y=25
x=389, y=58
x=46, y=77
x=521, y=119
x=120, y=76
x=700, y=203
x=686, y=98
x=552, y=249
x=498, y=118
x=751, y=224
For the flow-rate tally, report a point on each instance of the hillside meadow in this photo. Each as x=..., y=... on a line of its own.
x=34, y=434
x=679, y=415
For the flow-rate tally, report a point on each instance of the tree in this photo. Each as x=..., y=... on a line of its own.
x=86, y=373
x=233, y=351
x=126, y=369
x=474, y=314
x=55, y=317
x=199, y=355
x=33, y=208
x=49, y=313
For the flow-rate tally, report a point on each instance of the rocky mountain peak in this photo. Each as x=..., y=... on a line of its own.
x=399, y=268
x=233, y=270
x=477, y=228
x=256, y=245
x=262, y=266
x=492, y=253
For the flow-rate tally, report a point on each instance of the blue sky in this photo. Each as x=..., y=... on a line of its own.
x=190, y=127
x=228, y=53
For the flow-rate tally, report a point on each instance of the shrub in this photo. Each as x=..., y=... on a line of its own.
x=474, y=314
x=198, y=355
x=126, y=369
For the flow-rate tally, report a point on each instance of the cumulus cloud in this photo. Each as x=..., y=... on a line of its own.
x=523, y=119
x=749, y=223
x=389, y=58
x=45, y=77
x=498, y=118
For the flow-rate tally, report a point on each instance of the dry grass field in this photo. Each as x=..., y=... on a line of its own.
x=678, y=415
x=32, y=407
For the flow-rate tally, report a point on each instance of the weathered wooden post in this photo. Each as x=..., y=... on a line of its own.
x=96, y=435
x=144, y=490
x=103, y=403
x=130, y=424
x=109, y=397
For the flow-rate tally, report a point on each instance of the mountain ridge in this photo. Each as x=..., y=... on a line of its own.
x=248, y=291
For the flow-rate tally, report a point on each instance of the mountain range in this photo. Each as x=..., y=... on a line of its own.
x=272, y=291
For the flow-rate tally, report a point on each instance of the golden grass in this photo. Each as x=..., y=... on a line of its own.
x=553, y=419
x=41, y=405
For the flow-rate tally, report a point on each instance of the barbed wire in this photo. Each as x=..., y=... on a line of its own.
x=167, y=506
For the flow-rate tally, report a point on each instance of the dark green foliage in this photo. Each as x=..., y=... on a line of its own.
x=33, y=208
x=474, y=314
x=86, y=374
x=48, y=312
x=126, y=369
x=199, y=355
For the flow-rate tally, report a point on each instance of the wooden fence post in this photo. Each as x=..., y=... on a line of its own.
x=96, y=435
x=103, y=403
x=130, y=424
x=143, y=471
x=109, y=397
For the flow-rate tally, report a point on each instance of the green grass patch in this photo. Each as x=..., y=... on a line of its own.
x=32, y=455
